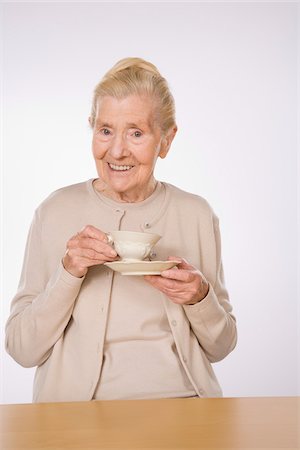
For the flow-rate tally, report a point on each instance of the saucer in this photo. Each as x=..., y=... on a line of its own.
x=141, y=267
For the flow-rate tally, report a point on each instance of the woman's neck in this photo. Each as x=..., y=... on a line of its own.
x=125, y=197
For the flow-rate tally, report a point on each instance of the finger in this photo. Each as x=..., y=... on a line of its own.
x=153, y=279
x=163, y=284
x=92, y=244
x=185, y=276
x=177, y=291
x=172, y=290
x=182, y=263
x=89, y=254
x=93, y=232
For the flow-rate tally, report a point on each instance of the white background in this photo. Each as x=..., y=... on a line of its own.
x=232, y=68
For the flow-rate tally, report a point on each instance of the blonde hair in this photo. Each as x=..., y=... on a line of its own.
x=135, y=76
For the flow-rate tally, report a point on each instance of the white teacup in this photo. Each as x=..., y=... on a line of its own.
x=132, y=245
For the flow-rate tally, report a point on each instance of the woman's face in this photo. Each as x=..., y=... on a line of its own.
x=127, y=141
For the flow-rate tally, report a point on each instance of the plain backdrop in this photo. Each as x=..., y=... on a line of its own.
x=232, y=68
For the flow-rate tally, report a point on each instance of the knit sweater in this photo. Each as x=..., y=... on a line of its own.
x=58, y=322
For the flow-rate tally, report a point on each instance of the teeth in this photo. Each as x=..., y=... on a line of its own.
x=114, y=167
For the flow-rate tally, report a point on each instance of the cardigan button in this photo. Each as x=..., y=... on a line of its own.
x=174, y=323
x=147, y=225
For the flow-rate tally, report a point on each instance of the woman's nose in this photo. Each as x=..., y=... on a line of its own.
x=118, y=148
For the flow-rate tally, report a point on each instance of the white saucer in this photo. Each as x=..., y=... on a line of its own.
x=141, y=267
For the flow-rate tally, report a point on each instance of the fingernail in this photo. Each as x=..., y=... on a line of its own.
x=109, y=239
x=113, y=253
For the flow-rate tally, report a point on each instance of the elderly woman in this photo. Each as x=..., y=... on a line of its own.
x=91, y=332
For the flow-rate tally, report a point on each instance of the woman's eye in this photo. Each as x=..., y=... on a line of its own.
x=137, y=134
x=105, y=131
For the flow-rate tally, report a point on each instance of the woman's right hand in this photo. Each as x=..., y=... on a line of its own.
x=87, y=248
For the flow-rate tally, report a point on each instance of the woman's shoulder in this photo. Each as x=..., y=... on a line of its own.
x=71, y=190
x=66, y=197
x=188, y=199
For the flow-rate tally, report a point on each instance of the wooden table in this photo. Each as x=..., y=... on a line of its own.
x=236, y=423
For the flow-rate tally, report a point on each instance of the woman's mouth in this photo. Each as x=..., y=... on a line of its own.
x=120, y=168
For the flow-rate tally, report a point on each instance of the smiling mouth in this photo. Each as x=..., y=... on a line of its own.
x=121, y=168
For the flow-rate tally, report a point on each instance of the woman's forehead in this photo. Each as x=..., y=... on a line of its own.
x=133, y=110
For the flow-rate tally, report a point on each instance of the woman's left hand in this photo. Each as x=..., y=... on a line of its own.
x=183, y=284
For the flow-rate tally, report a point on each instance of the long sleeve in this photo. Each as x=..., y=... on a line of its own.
x=59, y=322
x=211, y=319
x=43, y=305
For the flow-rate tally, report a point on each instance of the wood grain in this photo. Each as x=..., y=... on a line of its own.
x=221, y=423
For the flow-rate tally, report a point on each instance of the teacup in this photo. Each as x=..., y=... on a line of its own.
x=132, y=245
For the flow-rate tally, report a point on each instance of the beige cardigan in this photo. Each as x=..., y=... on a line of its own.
x=58, y=321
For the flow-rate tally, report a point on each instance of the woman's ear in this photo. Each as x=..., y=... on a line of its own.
x=167, y=141
x=91, y=122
